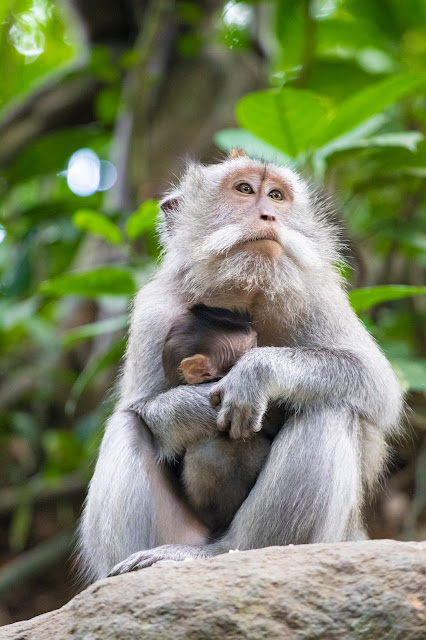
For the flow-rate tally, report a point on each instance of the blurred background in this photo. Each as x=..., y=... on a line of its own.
x=100, y=103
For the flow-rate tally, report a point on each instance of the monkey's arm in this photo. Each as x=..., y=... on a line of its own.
x=176, y=417
x=179, y=417
x=357, y=376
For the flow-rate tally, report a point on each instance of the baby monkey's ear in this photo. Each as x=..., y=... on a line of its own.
x=237, y=152
x=196, y=369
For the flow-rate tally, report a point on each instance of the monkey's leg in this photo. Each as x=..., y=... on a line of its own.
x=309, y=491
x=310, y=488
x=219, y=474
x=131, y=504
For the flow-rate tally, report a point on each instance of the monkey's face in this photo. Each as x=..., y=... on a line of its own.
x=255, y=201
x=243, y=221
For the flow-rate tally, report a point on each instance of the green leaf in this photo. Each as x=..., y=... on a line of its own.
x=143, y=219
x=405, y=140
x=350, y=139
x=411, y=373
x=339, y=78
x=228, y=139
x=366, y=103
x=348, y=36
x=104, y=281
x=362, y=299
x=289, y=25
x=21, y=523
x=94, y=222
x=94, y=329
x=95, y=367
x=286, y=119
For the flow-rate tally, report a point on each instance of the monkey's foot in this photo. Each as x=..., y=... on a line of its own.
x=166, y=553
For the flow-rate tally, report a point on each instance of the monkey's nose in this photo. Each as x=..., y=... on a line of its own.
x=267, y=218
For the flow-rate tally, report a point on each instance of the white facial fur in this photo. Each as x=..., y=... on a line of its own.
x=209, y=221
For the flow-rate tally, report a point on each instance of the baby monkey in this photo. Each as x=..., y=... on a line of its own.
x=218, y=474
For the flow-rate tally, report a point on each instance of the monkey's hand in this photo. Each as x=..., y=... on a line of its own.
x=243, y=398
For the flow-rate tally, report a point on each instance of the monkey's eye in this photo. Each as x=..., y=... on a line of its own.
x=244, y=188
x=276, y=194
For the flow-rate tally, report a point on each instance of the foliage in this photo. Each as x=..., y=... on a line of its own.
x=343, y=104
x=35, y=42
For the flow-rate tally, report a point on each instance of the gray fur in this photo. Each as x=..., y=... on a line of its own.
x=314, y=353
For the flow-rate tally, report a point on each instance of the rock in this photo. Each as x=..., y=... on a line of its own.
x=370, y=590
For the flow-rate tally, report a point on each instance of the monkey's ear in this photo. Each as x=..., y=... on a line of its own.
x=168, y=206
x=170, y=202
x=237, y=152
x=196, y=369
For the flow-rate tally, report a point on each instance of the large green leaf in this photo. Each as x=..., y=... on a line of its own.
x=294, y=121
x=339, y=78
x=362, y=299
x=103, y=281
x=228, y=139
x=287, y=119
x=143, y=219
x=366, y=103
x=94, y=222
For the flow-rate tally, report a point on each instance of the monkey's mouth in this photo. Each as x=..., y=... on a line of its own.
x=261, y=236
x=262, y=245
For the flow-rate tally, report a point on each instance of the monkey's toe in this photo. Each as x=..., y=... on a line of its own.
x=165, y=554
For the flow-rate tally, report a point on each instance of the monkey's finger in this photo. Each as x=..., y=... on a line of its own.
x=216, y=398
x=224, y=418
x=245, y=422
x=238, y=428
x=256, y=423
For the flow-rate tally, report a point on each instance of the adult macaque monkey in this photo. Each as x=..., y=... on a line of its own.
x=248, y=235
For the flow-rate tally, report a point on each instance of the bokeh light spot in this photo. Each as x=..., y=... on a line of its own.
x=27, y=36
x=84, y=172
x=108, y=176
x=237, y=14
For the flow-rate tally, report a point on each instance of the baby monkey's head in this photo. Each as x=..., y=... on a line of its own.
x=205, y=342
